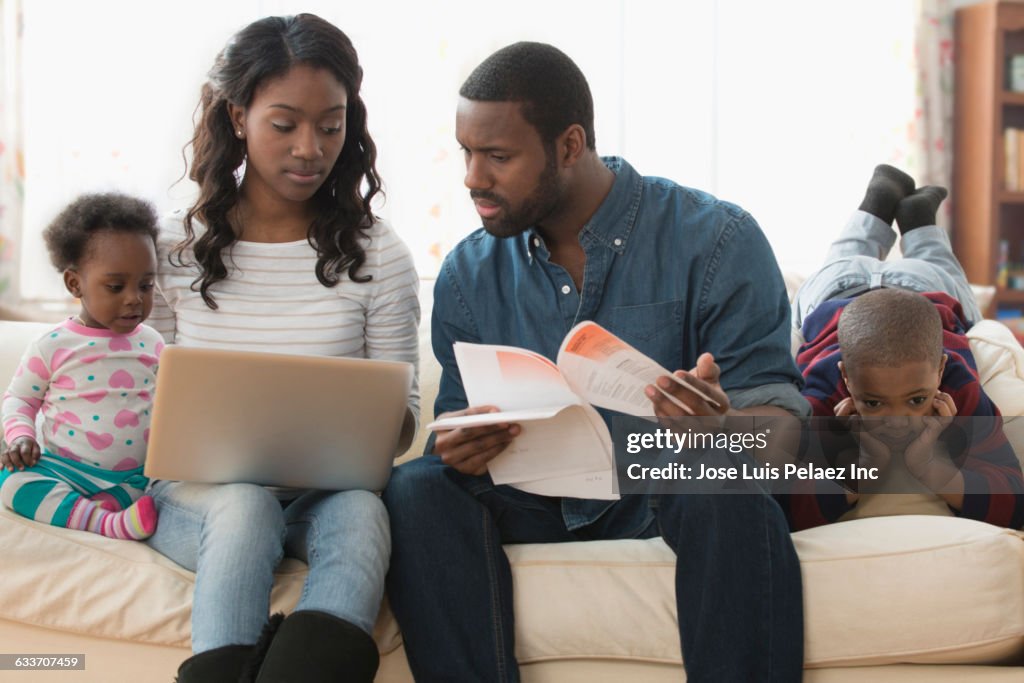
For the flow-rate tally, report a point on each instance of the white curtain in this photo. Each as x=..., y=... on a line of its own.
x=12, y=167
x=932, y=130
x=787, y=123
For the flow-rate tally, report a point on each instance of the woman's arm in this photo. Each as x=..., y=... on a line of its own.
x=393, y=316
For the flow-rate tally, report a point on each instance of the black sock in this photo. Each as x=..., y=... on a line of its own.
x=885, y=190
x=919, y=208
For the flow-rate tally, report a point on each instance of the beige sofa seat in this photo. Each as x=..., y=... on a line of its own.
x=900, y=598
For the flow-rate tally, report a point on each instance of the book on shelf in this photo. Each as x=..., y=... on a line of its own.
x=1013, y=153
x=564, y=448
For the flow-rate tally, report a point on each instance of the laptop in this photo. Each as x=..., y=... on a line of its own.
x=277, y=419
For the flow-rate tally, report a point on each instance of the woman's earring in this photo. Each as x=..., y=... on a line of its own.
x=239, y=131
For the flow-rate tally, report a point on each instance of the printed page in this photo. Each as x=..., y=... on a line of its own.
x=599, y=484
x=511, y=378
x=596, y=485
x=494, y=418
x=574, y=441
x=608, y=372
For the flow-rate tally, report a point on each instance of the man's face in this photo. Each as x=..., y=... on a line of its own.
x=512, y=179
x=895, y=394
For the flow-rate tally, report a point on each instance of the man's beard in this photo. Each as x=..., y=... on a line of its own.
x=533, y=210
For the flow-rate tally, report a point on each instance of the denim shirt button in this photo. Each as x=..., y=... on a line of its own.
x=536, y=241
x=617, y=242
x=566, y=289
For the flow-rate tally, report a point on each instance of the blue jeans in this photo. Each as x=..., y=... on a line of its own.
x=234, y=535
x=857, y=258
x=738, y=589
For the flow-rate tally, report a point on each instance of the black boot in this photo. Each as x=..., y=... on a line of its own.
x=315, y=647
x=213, y=666
x=258, y=651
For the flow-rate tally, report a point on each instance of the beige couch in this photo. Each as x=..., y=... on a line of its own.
x=904, y=598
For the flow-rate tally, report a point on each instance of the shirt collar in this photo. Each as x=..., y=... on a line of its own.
x=613, y=221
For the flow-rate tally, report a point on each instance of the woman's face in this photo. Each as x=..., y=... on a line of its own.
x=294, y=130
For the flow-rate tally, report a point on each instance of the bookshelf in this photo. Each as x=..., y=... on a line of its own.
x=988, y=211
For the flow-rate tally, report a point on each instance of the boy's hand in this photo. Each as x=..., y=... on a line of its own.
x=873, y=451
x=22, y=453
x=845, y=408
x=469, y=449
x=943, y=405
x=922, y=460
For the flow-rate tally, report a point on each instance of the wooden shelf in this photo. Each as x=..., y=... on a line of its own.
x=985, y=214
x=1009, y=296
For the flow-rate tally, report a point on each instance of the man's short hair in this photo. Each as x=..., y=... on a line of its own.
x=552, y=90
x=890, y=328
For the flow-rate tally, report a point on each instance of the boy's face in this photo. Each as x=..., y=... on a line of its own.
x=905, y=391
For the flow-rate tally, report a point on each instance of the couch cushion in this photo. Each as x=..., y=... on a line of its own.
x=84, y=583
x=878, y=591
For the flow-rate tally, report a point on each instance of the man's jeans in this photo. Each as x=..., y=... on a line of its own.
x=234, y=535
x=738, y=588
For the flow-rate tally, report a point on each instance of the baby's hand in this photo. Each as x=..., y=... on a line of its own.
x=22, y=453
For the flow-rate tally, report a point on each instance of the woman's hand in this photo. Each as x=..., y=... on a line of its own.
x=469, y=449
x=21, y=453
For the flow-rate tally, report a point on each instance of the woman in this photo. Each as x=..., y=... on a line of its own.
x=281, y=252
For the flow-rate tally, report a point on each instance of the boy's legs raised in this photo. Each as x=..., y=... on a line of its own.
x=923, y=240
x=864, y=242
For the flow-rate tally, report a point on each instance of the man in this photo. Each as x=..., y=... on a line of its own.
x=569, y=236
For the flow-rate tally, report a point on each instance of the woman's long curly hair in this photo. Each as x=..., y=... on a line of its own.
x=263, y=50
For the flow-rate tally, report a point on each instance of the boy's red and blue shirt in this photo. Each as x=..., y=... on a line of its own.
x=993, y=484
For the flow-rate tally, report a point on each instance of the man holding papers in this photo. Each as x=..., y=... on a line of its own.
x=683, y=278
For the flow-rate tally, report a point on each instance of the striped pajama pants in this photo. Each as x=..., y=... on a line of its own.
x=47, y=491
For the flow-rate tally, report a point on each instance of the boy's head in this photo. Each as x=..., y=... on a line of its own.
x=105, y=245
x=891, y=344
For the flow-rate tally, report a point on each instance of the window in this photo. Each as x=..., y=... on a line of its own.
x=781, y=107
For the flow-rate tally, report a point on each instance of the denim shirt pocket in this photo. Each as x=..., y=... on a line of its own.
x=653, y=329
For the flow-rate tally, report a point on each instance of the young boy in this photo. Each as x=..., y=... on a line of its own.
x=885, y=340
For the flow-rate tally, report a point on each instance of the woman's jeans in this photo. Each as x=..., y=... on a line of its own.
x=737, y=581
x=857, y=259
x=234, y=535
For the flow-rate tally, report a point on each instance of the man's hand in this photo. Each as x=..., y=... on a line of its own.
x=21, y=453
x=469, y=449
x=680, y=401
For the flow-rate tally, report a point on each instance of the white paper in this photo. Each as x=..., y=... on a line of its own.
x=564, y=448
x=596, y=485
x=607, y=372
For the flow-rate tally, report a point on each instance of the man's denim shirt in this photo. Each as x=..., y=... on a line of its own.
x=672, y=270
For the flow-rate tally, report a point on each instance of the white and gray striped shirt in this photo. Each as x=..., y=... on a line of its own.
x=271, y=301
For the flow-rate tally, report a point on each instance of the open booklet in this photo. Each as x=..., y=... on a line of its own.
x=564, y=448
